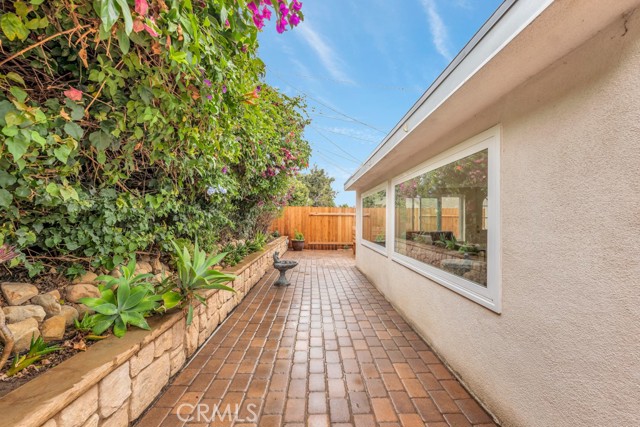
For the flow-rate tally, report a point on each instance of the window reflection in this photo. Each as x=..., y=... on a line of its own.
x=442, y=217
x=374, y=212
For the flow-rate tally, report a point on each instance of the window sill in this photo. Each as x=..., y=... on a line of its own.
x=466, y=288
x=382, y=250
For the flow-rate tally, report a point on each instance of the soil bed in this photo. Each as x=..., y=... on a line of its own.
x=71, y=345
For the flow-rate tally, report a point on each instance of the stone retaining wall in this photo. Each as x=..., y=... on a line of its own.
x=115, y=380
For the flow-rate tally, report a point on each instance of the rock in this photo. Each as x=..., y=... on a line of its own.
x=23, y=332
x=143, y=267
x=80, y=410
x=53, y=328
x=83, y=290
x=116, y=273
x=93, y=421
x=82, y=310
x=158, y=278
x=56, y=294
x=18, y=293
x=48, y=302
x=119, y=419
x=147, y=384
x=19, y=313
x=88, y=277
x=114, y=389
x=157, y=266
x=142, y=359
x=70, y=314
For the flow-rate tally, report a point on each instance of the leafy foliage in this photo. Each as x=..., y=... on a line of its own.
x=196, y=273
x=118, y=121
x=297, y=235
x=318, y=183
x=37, y=350
x=127, y=277
x=126, y=306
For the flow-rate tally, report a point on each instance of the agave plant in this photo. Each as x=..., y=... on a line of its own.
x=196, y=273
x=128, y=276
x=126, y=306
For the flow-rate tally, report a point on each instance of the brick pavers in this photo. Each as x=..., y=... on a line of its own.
x=327, y=351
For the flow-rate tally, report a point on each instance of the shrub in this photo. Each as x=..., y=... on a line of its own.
x=126, y=130
x=196, y=273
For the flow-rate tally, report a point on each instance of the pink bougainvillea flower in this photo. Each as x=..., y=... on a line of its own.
x=142, y=7
x=207, y=82
x=266, y=13
x=281, y=26
x=296, y=5
x=224, y=88
x=294, y=20
x=258, y=21
x=252, y=7
x=284, y=9
x=73, y=94
x=227, y=24
x=209, y=97
x=266, y=2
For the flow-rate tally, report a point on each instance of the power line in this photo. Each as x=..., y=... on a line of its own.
x=331, y=117
x=328, y=106
x=333, y=143
x=331, y=162
x=338, y=155
x=349, y=136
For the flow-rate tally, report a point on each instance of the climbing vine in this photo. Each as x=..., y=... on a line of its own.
x=127, y=124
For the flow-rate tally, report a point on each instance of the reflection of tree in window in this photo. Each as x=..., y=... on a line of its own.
x=447, y=203
x=374, y=217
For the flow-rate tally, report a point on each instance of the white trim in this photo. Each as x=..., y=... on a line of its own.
x=491, y=296
x=383, y=250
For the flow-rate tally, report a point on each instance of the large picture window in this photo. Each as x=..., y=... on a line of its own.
x=441, y=217
x=374, y=214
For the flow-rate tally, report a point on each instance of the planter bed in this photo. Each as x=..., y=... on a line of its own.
x=115, y=380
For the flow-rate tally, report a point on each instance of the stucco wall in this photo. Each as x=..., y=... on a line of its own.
x=566, y=349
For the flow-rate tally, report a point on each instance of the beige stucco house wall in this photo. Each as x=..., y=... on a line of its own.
x=565, y=350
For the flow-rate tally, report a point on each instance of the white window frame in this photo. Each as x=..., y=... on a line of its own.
x=371, y=245
x=491, y=296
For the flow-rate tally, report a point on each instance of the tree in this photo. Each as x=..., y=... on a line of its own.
x=319, y=185
x=299, y=194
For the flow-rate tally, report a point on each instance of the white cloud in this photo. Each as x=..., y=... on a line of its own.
x=439, y=32
x=325, y=53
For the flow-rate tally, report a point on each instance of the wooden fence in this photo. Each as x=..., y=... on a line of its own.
x=323, y=228
x=332, y=228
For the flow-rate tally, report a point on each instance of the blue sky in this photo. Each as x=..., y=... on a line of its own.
x=362, y=65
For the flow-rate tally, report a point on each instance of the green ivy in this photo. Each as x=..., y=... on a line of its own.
x=124, y=130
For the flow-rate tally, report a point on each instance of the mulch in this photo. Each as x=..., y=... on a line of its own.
x=72, y=344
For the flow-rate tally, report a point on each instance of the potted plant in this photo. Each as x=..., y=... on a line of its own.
x=298, y=241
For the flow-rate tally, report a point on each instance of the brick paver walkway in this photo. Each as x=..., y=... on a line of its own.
x=328, y=350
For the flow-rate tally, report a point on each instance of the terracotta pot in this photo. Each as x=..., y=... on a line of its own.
x=298, y=245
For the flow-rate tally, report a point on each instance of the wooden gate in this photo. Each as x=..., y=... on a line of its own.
x=323, y=228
